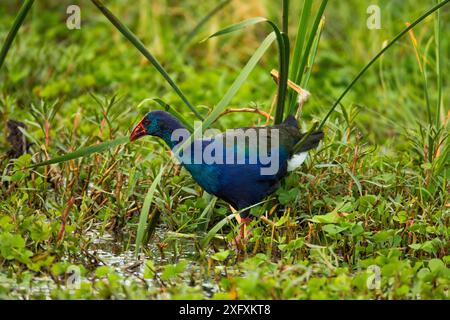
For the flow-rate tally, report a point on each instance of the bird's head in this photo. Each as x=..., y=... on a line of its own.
x=155, y=123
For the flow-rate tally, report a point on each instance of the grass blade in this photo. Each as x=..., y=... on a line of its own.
x=313, y=54
x=178, y=115
x=285, y=16
x=238, y=26
x=202, y=22
x=212, y=233
x=300, y=41
x=440, y=101
x=283, y=52
x=423, y=72
x=301, y=70
x=84, y=152
x=298, y=48
x=140, y=46
x=374, y=59
x=205, y=217
x=237, y=84
x=14, y=29
x=142, y=226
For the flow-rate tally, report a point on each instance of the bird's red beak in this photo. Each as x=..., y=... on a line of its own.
x=138, y=132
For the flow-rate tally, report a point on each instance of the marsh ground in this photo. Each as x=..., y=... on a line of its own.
x=366, y=217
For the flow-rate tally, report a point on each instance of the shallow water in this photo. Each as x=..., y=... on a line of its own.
x=108, y=251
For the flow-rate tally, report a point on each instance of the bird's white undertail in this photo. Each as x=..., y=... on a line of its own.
x=297, y=160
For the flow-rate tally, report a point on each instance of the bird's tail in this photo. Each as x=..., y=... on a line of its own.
x=312, y=142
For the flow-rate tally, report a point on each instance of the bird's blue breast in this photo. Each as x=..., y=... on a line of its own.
x=240, y=183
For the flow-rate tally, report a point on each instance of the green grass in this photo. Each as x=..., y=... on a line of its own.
x=374, y=195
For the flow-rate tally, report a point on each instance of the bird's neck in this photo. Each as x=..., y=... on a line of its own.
x=166, y=132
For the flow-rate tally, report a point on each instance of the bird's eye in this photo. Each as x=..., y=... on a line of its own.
x=146, y=121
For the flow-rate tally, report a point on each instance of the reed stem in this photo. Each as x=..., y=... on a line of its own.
x=140, y=46
x=374, y=59
x=14, y=29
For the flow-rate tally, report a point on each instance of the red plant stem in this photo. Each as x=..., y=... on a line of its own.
x=47, y=132
x=64, y=219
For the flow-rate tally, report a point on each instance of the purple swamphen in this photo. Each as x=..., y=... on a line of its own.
x=240, y=174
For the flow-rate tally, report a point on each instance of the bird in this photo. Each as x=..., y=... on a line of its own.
x=242, y=184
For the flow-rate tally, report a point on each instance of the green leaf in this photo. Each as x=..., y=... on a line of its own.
x=172, y=270
x=188, y=38
x=23, y=12
x=289, y=196
x=221, y=255
x=237, y=84
x=102, y=271
x=142, y=226
x=149, y=268
x=357, y=230
x=216, y=229
x=282, y=221
x=301, y=36
x=366, y=202
x=426, y=246
x=207, y=213
x=436, y=265
x=380, y=54
x=237, y=26
x=383, y=236
x=141, y=47
x=332, y=217
x=333, y=229
x=84, y=152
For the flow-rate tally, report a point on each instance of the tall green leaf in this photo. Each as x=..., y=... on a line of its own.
x=214, y=230
x=438, y=41
x=26, y=6
x=142, y=226
x=283, y=57
x=300, y=40
x=84, y=152
x=313, y=55
x=377, y=56
x=238, y=26
x=188, y=38
x=140, y=46
x=305, y=56
x=226, y=99
x=237, y=84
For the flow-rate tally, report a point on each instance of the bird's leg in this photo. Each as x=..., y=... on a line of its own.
x=236, y=215
x=244, y=232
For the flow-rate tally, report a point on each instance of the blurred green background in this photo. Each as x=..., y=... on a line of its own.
x=48, y=61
